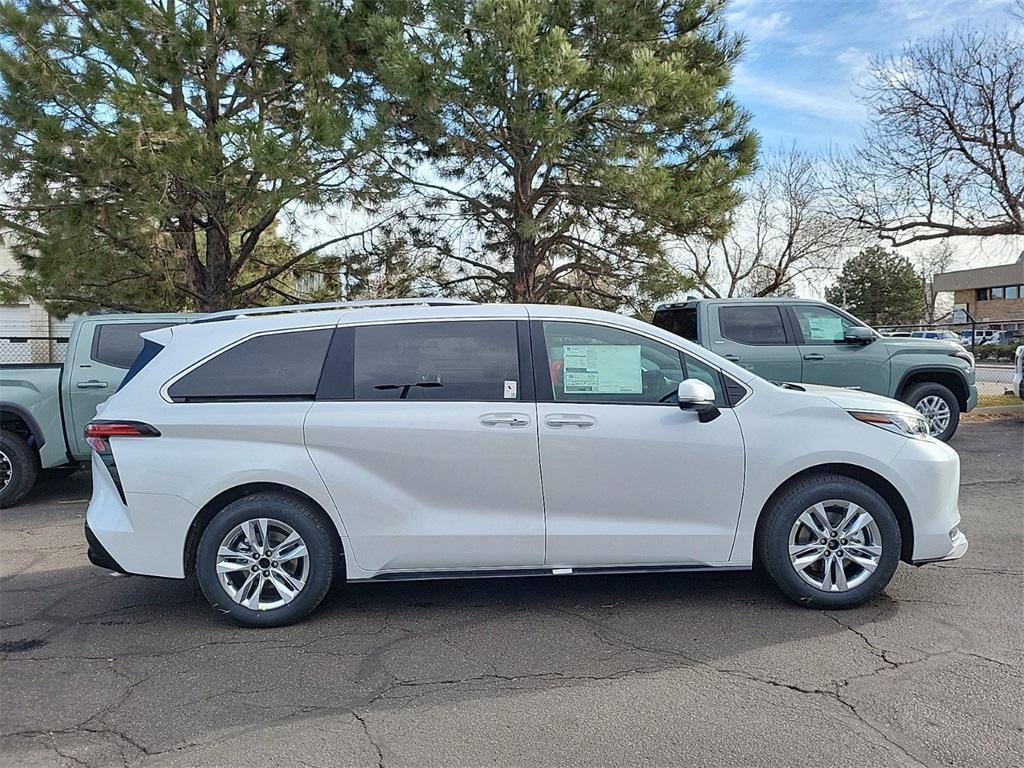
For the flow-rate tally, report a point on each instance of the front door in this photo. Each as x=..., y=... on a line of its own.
x=429, y=448
x=756, y=336
x=629, y=478
x=828, y=360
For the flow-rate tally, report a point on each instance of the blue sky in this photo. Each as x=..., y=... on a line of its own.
x=804, y=58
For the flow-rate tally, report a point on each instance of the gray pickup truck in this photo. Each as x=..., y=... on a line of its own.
x=811, y=342
x=44, y=407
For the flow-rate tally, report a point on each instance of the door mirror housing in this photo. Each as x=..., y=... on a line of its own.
x=695, y=395
x=858, y=334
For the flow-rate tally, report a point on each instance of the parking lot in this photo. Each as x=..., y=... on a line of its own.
x=669, y=669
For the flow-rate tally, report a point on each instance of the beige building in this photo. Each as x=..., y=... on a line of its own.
x=994, y=294
x=28, y=334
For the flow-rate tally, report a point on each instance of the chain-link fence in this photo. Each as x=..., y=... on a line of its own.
x=993, y=344
x=32, y=349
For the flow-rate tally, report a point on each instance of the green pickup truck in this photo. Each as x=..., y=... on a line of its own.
x=811, y=342
x=44, y=407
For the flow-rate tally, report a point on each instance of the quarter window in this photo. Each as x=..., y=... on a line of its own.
x=752, y=324
x=279, y=366
x=820, y=325
x=593, y=363
x=463, y=360
x=118, y=344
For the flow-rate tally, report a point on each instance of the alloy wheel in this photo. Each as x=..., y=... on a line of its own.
x=6, y=471
x=835, y=545
x=936, y=411
x=262, y=564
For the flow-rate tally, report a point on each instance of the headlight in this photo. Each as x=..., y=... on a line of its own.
x=909, y=425
x=963, y=354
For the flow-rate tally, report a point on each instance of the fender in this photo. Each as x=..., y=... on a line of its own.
x=945, y=369
x=30, y=422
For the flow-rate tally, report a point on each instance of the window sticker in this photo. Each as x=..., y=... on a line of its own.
x=510, y=390
x=602, y=369
x=824, y=328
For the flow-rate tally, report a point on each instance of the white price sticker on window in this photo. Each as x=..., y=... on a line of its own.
x=602, y=369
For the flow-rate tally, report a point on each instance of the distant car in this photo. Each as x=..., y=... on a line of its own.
x=1018, y=372
x=941, y=335
x=1000, y=337
x=978, y=336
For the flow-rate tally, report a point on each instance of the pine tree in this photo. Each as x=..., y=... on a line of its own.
x=880, y=287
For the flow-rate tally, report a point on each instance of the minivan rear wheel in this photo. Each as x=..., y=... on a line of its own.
x=830, y=541
x=267, y=560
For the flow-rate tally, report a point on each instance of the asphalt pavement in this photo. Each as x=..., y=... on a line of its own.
x=695, y=669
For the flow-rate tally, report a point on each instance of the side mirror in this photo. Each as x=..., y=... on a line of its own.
x=695, y=395
x=858, y=334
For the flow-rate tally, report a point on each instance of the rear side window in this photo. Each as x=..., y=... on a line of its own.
x=752, y=324
x=279, y=366
x=682, y=321
x=118, y=344
x=150, y=349
x=466, y=360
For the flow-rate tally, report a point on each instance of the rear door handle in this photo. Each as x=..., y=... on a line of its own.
x=559, y=420
x=92, y=384
x=733, y=358
x=814, y=356
x=505, y=420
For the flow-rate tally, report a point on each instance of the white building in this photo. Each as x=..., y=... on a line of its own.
x=28, y=334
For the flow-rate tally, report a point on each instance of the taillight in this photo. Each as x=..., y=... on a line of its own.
x=98, y=432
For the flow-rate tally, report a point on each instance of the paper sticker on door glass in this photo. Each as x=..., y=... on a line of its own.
x=602, y=369
x=825, y=328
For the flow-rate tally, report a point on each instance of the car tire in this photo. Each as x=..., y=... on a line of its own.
x=782, y=544
x=925, y=397
x=239, y=528
x=19, y=468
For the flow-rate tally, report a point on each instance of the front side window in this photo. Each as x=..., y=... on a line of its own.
x=752, y=324
x=698, y=369
x=118, y=344
x=278, y=366
x=474, y=360
x=596, y=364
x=820, y=325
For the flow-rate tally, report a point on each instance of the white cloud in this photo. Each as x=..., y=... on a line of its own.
x=801, y=100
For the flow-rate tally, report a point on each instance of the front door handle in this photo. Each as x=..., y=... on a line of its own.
x=92, y=384
x=559, y=420
x=814, y=356
x=733, y=358
x=505, y=420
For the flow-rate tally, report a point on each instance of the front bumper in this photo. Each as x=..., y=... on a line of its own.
x=957, y=549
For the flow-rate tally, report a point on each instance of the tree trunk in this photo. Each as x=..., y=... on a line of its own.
x=524, y=274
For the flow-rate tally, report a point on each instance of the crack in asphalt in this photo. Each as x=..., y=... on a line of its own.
x=366, y=730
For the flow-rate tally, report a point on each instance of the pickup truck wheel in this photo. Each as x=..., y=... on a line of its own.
x=19, y=467
x=937, y=404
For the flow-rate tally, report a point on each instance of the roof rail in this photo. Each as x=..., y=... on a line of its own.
x=231, y=314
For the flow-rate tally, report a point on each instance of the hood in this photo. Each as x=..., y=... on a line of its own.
x=856, y=400
x=921, y=346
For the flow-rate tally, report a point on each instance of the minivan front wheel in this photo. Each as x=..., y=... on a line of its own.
x=938, y=405
x=266, y=560
x=830, y=541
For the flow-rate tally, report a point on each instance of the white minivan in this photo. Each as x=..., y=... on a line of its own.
x=273, y=452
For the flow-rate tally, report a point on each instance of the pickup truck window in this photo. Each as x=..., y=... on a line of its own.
x=682, y=321
x=820, y=325
x=757, y=324
x=118, y=344
x=276, y=366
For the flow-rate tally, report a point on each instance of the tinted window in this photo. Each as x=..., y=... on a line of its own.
x=752, y=324
x=118, y=344
x=820, y=325
x=1013, y=291
x=682, y=321
x=593, y=363
x=470, y=360
x=276, y=366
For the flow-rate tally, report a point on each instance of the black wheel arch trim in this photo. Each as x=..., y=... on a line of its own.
x=30, y=422
x=943, y=369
